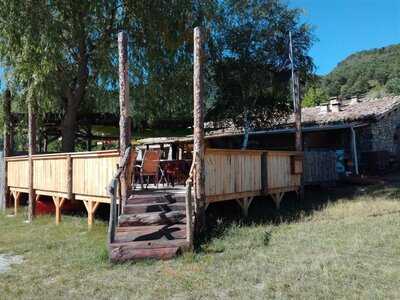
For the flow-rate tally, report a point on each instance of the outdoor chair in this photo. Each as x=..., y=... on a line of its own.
x=150, y=167
x=131, y=169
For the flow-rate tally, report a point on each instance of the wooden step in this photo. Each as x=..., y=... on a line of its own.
x=149, y=233
x=159, y=198
x=130, y=251
x=153, y=218
x=144, y=198
x=153, y=207
x=151, y=244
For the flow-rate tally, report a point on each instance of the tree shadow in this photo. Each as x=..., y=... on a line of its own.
x=262, y=211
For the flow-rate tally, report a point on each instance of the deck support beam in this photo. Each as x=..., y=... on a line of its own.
x=58, y=203
x=91, y=207
x=244, y=204
x=16, y=196
x=277, y=198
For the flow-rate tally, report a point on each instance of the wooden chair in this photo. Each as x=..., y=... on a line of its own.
x=150, y=166
x=131, y=169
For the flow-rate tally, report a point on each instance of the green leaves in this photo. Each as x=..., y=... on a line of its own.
x=373, y=71
x=252, y=68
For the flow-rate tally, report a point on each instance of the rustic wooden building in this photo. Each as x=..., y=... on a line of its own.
x=364, y=134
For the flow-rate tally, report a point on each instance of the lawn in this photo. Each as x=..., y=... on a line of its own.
x=340, y=245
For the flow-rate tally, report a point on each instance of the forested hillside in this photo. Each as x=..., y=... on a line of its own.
x=373, y=71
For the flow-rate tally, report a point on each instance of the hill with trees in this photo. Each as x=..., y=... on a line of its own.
x=374, y=72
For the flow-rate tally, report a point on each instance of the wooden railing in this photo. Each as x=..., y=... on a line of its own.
x=114, y=191
x=280, y=171
x=233, y=174
x=189, y=203
x=80, y=175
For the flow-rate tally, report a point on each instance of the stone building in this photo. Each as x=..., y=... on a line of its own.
x=367, y=130
x=364, y=131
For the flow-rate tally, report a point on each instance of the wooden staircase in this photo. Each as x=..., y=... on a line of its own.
x=151, y=226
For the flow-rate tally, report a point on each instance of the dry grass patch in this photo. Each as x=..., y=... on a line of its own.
x=348, y=249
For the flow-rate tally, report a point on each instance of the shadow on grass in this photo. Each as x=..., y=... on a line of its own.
x=221, y=215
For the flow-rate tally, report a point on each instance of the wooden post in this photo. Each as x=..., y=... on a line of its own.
x=124, y=124
x=31, y=150
x=6, y=147
x=198, y=128
x=297, y=115
x=244, y=204
x=277, y=198
x=91, y=207
x=69, y=177
x=58, y=203
x=297, y=118
x=16, y=201
x=354, y=149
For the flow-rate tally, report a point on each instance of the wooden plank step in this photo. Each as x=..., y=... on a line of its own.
x=153, y=207
x=140, y=199
x=148, y=233
x=151, y=244
x=127, y=253
x=153, y=218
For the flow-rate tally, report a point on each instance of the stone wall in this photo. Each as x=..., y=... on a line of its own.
x=386, y=133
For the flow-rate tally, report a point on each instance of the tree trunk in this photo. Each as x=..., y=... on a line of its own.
x=7, y=146
x=31, y=150
x=198, y=128
x=68, y=129
x=246, y=131
x=124, y=125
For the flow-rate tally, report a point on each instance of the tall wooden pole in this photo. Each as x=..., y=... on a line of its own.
x=297, y=114
x=124, y=124
x=198, y=128
x=296, y=98
x=31, y=151
x=6, y=147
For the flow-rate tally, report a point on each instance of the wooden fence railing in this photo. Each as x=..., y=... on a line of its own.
x=283, y=171
x=232, y=174
x=80, y=175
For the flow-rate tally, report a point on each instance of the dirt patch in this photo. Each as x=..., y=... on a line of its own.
x=7, y=260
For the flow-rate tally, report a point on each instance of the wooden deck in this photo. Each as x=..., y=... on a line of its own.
x=153, y=221
x=230, y=175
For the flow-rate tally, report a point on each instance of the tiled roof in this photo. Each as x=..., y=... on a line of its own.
x=365, y=109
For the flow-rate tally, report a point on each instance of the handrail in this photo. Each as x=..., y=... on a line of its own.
x=113, y=188
x=192, y=167
x=189, y=203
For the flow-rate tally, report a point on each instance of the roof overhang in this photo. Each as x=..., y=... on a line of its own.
x=188, y=139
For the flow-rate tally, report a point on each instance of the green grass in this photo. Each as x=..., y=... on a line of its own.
x=347, y=248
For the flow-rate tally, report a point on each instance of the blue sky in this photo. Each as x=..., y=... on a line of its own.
x=346, y=26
